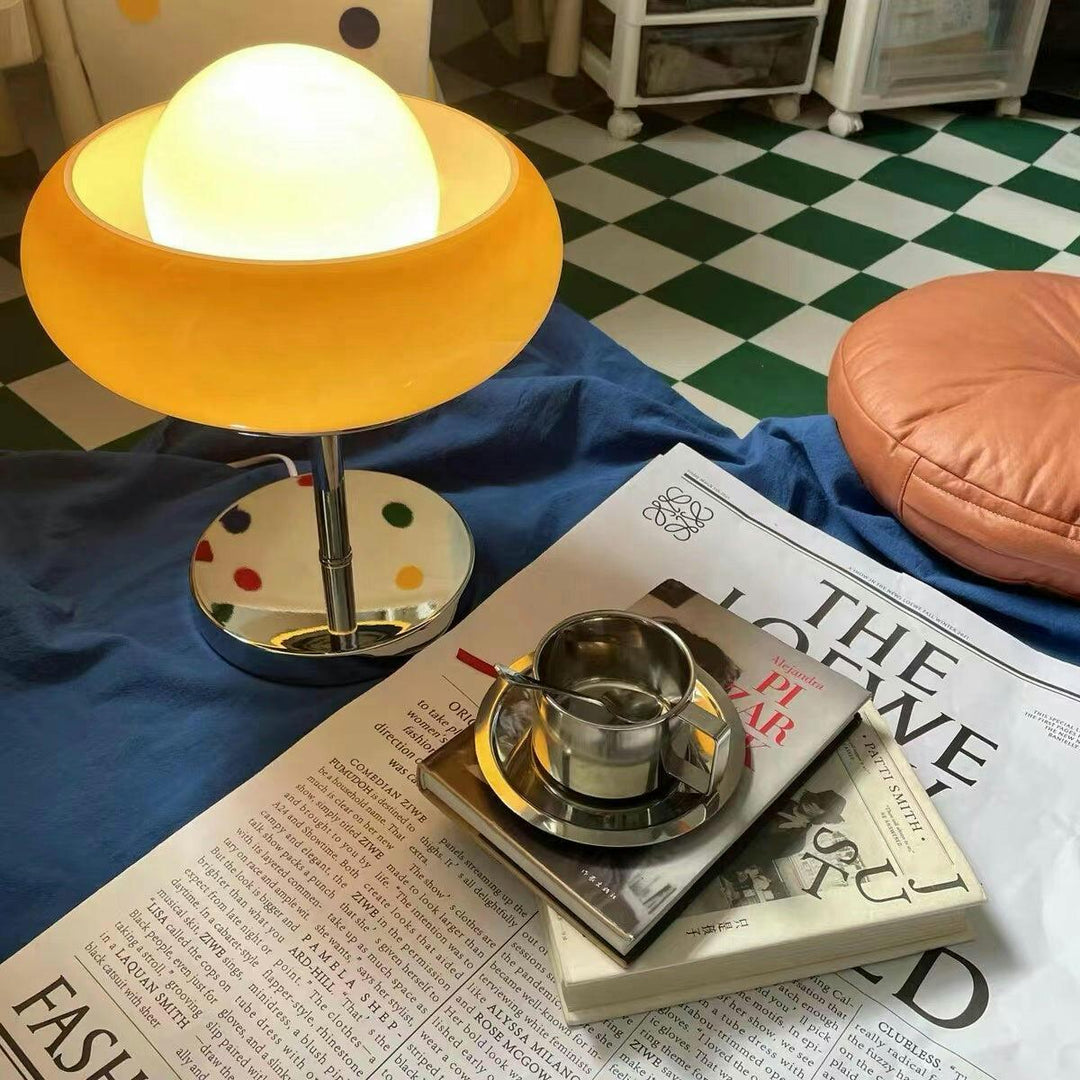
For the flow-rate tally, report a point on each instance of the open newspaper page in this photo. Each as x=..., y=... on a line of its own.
x=321, y=921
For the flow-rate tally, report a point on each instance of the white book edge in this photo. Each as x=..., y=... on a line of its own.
x=957, y=932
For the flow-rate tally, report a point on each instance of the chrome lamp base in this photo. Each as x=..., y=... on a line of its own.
x=279, y=594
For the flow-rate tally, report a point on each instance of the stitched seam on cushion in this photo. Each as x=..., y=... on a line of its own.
x=997, y=513
x=904, y=486
x=1000, y=498
x=956, y=476
x=1011, y=556
x=1026, y=579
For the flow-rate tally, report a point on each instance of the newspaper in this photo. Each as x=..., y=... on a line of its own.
x=321, y=922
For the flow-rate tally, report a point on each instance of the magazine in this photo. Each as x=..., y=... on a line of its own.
x=792, y=709
x=851, y=867
x=321, y=919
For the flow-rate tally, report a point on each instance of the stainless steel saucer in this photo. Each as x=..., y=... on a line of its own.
x=503, y=734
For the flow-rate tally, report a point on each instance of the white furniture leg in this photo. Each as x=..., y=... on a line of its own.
x=624, y=123
x=564, y=46
x=1007, y=106
x=842, y=124
x=785, y=107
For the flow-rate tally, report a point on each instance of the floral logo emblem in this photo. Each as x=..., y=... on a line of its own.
x=677, y=513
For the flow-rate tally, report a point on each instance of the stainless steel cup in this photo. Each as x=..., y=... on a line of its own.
x=583, y=749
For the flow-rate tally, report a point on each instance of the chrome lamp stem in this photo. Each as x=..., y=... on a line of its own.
x=335, y=552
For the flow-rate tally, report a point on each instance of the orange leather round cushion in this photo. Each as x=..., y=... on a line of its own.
x=959, y=403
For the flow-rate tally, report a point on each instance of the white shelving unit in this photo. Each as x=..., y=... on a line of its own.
x=887, y=54
x=652, y=52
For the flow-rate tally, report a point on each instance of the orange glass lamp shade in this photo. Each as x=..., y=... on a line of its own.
x=293, y=347
x=290, y=248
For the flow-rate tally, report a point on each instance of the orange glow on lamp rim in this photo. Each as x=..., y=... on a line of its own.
x=305, y=346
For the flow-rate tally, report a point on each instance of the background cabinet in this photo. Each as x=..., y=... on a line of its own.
x=664, y=51
x=882, y=54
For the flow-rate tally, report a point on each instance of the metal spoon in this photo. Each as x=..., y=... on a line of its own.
x=639, y=704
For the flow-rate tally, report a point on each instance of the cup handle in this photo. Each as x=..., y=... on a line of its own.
x=697, y=750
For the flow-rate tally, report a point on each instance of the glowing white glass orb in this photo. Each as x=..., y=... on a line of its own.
x=288, y=152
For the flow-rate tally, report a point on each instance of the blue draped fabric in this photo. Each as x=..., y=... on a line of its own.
x=119, y=724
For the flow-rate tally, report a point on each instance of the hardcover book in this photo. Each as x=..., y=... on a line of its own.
x=792, y=709
x=852, y=867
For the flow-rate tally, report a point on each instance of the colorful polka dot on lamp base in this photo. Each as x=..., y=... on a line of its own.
x=409, y=578
x=256, y=572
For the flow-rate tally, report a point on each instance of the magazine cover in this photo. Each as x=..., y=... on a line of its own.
x=792, y=708
x=853, y=863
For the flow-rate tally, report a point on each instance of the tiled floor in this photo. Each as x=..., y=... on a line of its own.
x=725, y=249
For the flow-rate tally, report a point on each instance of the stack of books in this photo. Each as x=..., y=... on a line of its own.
x=829, y=854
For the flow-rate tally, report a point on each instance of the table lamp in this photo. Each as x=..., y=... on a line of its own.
x=288, y=247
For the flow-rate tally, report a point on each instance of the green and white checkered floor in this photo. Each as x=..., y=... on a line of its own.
x=725, y=249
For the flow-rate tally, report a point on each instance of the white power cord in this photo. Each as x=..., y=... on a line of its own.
x=288, y=462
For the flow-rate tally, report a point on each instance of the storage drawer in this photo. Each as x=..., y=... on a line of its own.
x=920, y=43
x=682, y=59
